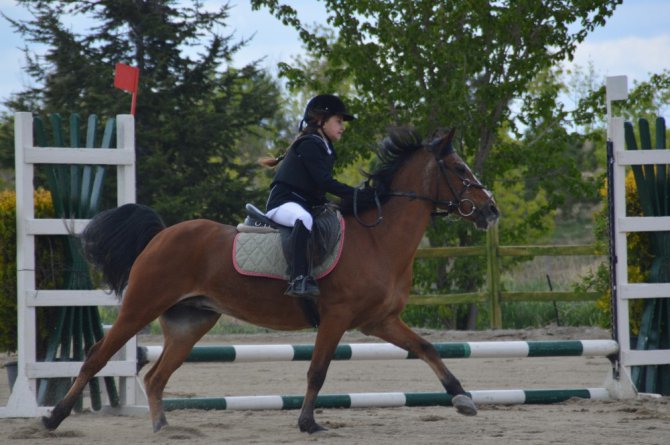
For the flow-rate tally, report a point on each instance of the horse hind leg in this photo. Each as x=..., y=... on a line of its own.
x=96, y=358
x=182, y=327
x=395, y=331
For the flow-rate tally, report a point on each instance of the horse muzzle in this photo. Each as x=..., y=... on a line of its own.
x=486, y=216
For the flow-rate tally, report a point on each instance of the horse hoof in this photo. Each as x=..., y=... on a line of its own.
x=159, y=424
x=311, y=428
x=464, y=405
x=49, y=423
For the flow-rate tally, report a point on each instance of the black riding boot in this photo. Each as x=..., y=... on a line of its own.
x=301, y=284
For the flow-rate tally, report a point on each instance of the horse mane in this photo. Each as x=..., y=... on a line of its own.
x=394, y=150
x=392, y=153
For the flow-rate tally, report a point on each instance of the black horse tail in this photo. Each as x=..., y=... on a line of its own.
x=114, y=239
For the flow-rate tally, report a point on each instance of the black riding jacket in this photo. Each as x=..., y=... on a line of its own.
x=305, y=175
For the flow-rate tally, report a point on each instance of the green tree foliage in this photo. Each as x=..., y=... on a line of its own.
x=433, y=64
x=194, y=109
x=481, y=66
x=646, y=99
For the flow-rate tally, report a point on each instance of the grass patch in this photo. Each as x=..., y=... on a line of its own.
x=558, y=273
x=533, y=314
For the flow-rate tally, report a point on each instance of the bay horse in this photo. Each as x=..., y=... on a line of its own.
x=183, y=274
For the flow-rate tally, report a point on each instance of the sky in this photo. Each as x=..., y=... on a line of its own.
x=634, y=42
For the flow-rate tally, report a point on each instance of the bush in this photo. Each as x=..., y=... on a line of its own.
x=49, y=264
x=639, y=259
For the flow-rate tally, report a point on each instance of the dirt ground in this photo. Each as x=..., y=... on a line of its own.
x=645, y=420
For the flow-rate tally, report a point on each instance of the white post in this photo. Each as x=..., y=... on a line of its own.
x=616, y=88
x=131, y=391
x=23, y=401
x=125, y=140
x=622, y=386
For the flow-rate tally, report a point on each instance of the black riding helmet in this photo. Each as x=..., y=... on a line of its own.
x=325, y=105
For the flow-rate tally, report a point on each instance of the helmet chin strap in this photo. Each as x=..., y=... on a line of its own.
x=319, y=127
x=323, y=135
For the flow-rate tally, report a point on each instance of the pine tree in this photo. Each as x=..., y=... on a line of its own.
x=194, y=108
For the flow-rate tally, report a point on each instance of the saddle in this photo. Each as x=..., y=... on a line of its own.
x=263, y=248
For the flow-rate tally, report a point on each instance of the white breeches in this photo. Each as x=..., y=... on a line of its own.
x=288, y=213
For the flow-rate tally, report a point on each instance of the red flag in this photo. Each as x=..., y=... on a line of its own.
x=126, y=77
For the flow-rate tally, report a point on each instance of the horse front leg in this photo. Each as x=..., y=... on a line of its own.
x=395, y=331
x=327, y=338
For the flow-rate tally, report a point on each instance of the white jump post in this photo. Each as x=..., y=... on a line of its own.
x=23, y=399
x=617, y=89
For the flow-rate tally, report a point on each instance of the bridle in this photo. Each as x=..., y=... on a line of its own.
x=464, y=206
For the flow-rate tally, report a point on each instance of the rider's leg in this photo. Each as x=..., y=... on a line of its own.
x=301, y=284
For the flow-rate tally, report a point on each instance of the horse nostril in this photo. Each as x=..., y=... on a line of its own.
x=494, y=210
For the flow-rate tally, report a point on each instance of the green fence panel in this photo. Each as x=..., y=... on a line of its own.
x=76, y=193
x=654, y=195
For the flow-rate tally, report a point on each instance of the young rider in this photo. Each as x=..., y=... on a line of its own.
x=302, y=180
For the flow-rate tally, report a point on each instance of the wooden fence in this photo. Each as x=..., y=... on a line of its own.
x=493, y=295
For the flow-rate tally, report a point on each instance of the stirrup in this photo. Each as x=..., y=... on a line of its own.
x=303, y=286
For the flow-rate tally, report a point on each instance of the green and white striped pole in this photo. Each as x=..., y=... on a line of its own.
x=381, y=400
x=385, y=351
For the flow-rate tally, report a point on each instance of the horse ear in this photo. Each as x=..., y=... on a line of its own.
x=442, y=146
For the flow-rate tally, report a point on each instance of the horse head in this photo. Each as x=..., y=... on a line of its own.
x=458, y=191
x=439, y=177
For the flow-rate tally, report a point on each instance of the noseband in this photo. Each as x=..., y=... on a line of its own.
x=460, y=204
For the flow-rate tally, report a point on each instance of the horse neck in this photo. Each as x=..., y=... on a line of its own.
x=405, y=220
x=418, y=176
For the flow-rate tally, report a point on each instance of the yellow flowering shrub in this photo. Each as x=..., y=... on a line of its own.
x=49, y=258
x=639, y=258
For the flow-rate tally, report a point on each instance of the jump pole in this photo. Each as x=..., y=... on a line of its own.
x=386, y=400
x=386, y=351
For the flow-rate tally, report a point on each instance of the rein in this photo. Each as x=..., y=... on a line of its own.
x=451, y=206
x=378, y=204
